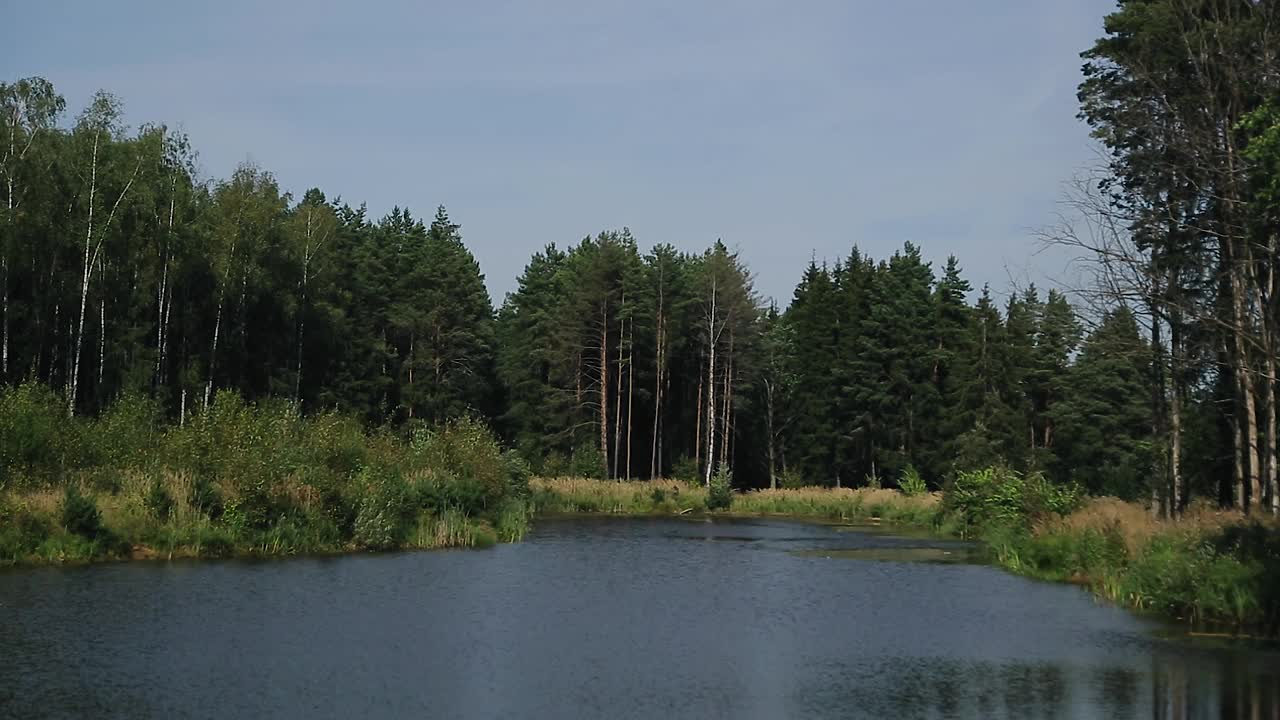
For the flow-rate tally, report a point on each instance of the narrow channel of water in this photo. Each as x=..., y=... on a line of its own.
x=617, y=618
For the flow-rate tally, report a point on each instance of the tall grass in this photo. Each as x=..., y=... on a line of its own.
x=570, y=495
x=1207, y=567
x=242, y=479
x=586, y=495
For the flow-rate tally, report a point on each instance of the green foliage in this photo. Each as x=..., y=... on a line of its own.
x=22, y=531
x=685, y=469
x=789, y=479
x=483, y=475
x=587, y=462
x=79, y=514
x=385, y=508
x=1003, y=498
x=720, y=491
x=32, y=431
x=204, y=497
x=158, y=501
x=911, y=483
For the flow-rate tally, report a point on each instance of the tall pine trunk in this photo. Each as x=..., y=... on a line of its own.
x=711, y=388
x=617, y=405
x=631, y=390
x=604, y=391
x=657, y=384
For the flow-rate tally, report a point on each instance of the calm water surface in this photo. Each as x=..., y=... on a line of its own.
x=605, y=618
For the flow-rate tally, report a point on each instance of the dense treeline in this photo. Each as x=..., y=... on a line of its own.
x=122, y=271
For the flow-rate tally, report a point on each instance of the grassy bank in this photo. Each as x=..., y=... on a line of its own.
x=1208, y=567
x=664, y=497
x=243, y=480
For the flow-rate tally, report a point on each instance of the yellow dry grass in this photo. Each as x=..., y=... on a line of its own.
x=1136, y=524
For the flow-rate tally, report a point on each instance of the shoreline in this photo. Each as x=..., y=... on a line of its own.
x=1211, y=571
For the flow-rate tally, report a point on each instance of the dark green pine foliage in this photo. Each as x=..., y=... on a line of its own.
x=532, y=370
x=952, y=346
x=854, y=390
x=1103, y=425
x=1057, y=338
x=813, y=320
x=449, y=368
x=981, y=419
x=899, y=330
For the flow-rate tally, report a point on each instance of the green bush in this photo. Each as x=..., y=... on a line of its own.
x=1000, y=497
x=720, y=492
x=21, y=532
x=79, y=514
x=125, y=435
x=587, y=462
x=32, y=430
x=204, y=497
x=911, y=483
x=468, y=450
x=518, y=474
x=385, y=509
x=790, y=480
x=686, y=469
x=158, y=502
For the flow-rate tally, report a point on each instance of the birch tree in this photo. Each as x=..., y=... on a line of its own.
x=29, y=109
x=108, y=177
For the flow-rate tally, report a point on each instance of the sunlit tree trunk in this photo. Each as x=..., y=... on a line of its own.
x=631, y=390
x=617, y=395
x=711, y=387
x=659, y=351
x=604, y=390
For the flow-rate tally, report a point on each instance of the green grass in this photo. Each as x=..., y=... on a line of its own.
x=668, y=497
x=243, y=479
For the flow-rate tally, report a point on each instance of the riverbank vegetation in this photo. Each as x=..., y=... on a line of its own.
x=242, y=479
x=665, y=497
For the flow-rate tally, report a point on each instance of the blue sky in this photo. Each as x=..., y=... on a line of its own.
x=792, y=130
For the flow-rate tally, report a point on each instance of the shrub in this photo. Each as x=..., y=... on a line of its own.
x=32, y=426
x=518, y=473
x=587, y=462
x=720, y=492
x=204, y=497
x=158, y=502
x=125, y=435
x=79, y=514
x=790, y=480
x=381, y=521
x=911, y=483
x=686, y=469
x=998, y=496
x=21, y=532
x=555, y=464
x=468, y=450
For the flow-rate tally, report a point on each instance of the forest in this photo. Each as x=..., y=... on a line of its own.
x=123, y=273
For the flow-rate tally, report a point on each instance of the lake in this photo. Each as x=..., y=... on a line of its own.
x=606, y=618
